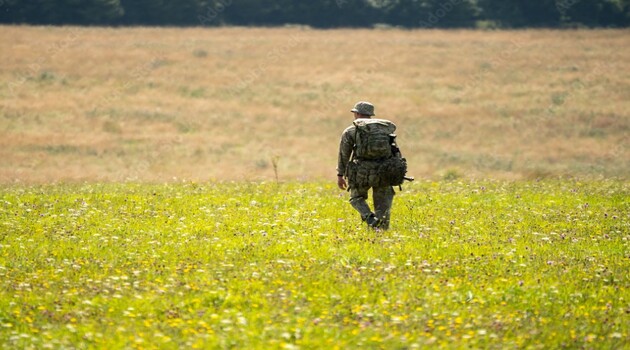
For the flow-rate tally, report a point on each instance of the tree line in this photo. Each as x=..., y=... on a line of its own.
x=321, y=13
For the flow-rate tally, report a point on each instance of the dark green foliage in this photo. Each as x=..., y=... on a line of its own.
x=556, y=13
x=322, y=13
x=522, y=13
x=162, y=12
x=432, y=13
x=83, y=12
x=594, y=13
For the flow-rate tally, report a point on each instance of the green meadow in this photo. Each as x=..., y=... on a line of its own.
x=471, y=264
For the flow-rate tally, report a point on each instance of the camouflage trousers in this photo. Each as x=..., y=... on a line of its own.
x=383, y=197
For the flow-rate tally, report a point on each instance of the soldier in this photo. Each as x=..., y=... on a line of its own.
x=382, y=196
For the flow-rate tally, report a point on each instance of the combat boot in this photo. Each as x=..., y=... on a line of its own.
x=373, y=221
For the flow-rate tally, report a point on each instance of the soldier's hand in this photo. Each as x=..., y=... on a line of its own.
x=341, y=182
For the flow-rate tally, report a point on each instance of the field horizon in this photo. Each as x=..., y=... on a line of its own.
x=258, y=104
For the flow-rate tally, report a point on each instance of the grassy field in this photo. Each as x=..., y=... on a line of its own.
x=151, y=104
x=492, y=265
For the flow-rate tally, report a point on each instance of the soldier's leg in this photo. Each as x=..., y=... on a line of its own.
x=358, y=200
x=383, y=199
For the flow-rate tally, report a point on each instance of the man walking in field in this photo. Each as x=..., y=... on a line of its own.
x=367, y=157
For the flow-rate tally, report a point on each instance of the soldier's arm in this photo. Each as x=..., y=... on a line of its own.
x=345, y=151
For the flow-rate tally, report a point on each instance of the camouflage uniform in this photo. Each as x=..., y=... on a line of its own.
x=382, y=196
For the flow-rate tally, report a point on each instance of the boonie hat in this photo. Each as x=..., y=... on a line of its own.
x=363, y=107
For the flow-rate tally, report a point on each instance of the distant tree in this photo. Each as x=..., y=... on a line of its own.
x=431, y=13
x=323, y=13
x=320, y=13
x=86, y=11
x=592, y=13
x=347, y=13
x=61, y=11
x=12, y=11
x=212, y=12
x=142, y=11
x=553, y=13
x=162, y=12
x=336, y=13
x=251, y=12
x=181, y=12
x=522, y=13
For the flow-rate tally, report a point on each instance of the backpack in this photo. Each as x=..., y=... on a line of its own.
x=377, y=161
x=373, y=138
x=373, y=173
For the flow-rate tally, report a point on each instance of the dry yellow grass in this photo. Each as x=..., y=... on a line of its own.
x=151, y=104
